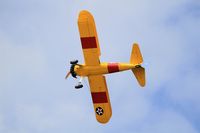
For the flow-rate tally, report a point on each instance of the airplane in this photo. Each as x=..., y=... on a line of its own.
x=95, y=70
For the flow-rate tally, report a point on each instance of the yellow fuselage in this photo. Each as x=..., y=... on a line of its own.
x=103, y=68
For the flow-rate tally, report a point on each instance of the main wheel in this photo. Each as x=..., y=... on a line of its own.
x=79, y=86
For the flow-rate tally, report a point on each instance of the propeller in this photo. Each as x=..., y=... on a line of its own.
x=67, y=75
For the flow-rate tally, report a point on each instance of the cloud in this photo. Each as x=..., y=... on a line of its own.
x=21, y=61
x=2, y=127
x=167, y=121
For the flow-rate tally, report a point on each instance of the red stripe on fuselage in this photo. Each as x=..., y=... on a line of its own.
x=88, y=42
x=99, y=97
x=113, y=67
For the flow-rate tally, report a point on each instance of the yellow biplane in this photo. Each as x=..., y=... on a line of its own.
x=95, y=70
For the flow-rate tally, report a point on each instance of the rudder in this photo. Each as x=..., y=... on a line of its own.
x=136, y=56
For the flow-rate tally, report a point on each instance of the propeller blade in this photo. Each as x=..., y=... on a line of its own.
x=67, y=75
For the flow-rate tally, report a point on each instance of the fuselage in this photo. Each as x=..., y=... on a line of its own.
x=102, y=68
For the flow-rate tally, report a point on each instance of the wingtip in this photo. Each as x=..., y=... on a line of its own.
x=85, y=14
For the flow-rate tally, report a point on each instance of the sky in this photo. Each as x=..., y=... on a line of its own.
x=38, y=38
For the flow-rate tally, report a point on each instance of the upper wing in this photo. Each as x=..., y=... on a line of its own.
x=89, y=40
x=100, y=98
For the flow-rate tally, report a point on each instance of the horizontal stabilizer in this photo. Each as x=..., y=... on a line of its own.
x=139, y=73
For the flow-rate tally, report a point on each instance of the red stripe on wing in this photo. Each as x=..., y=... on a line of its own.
x=113, y=67
x=99, y=97
x=88, y=42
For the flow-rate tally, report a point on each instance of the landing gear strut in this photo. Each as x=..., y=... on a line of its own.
x=79, y=85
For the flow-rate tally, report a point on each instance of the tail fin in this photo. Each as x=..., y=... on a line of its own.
x=136, y=56
x=136, y=59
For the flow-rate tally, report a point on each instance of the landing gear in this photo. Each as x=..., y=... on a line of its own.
x=74, y=62
x=79, y=85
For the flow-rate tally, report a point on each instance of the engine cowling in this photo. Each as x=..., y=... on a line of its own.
x=73, y=73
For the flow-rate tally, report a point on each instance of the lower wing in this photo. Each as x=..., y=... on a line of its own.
x=100, y=98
